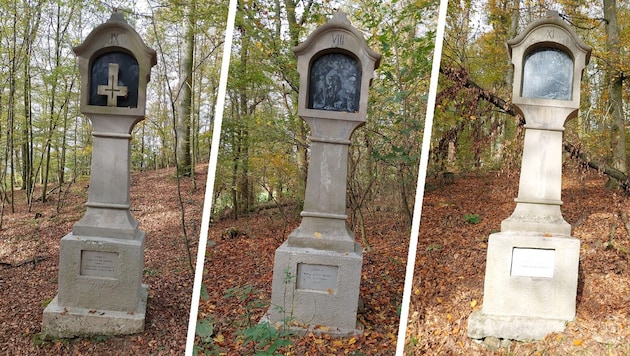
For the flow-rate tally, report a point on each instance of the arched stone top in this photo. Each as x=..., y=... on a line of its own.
x=115, y=36
x=116, y=32
x=567, y=37
x=337, y=36
x=550, y=34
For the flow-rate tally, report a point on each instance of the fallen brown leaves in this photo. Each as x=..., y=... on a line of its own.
x=35, y=235
x=450, y=268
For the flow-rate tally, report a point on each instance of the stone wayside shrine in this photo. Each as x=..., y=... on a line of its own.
x=101, y=261
x=532, y=264
x=317, y=271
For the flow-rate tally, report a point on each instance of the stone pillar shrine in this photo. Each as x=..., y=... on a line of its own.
x=532, y=264
x=101, y=261
x=317, y=271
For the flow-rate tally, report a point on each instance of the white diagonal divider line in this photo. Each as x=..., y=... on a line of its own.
x=422, y=172
x=212, y=168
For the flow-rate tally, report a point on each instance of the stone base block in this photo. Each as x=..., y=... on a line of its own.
x=531, y=283
x=101, y=272
x=316, y=289
x=69, y=322
x=297, y=329
x=522, y=328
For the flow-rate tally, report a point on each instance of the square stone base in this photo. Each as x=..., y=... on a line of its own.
x=530, y=286
x=68, y=322
x=101, y=272
x=316, y=289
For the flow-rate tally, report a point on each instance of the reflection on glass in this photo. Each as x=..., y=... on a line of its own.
x=129, y=76
x=335, y=83
x=548, y=74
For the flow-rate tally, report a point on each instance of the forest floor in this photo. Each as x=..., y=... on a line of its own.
x=451, y=259
x=29, y=259
x=448, y=282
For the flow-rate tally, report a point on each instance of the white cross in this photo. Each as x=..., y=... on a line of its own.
x=112, y=90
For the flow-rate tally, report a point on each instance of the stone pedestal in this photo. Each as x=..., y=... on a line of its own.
x=530, y=286
x=101, y=261
x=317, y=289
x=532, y=264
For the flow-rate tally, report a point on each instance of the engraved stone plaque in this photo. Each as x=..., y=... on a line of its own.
x=335, y=83
x=533, y=262
x=548, y=74
x=317, y=277
x=98, y=263
x=125, y=76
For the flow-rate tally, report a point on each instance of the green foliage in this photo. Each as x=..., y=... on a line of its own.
x=469, y=133
x=472, y=218
x=204, y=293
x=151, y=272
x=205, y=329
x=434, y=247
x=288, y=276
x=264, y=338
x=205, y=334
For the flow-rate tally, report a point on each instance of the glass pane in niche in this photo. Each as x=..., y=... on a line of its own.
x=335, y=83
x=128, y=76
x=548, y=74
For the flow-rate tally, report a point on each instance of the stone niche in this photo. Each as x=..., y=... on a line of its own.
x=106, y=87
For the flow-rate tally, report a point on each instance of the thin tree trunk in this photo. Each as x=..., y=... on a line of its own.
x=184, y=162
x=301, y=145
x=614, y=78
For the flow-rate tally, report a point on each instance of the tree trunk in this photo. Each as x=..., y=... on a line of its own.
x=27, y=139
x=614, y=79
x=301, y=131
x=184, y=161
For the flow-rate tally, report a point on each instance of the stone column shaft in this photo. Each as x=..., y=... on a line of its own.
x=324, y=216
x=540, y=185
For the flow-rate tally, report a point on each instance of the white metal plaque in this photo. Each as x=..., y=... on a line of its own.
x=98, y=263
x=533, y=262
x=317, y=277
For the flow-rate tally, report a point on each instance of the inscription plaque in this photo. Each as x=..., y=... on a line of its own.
x=335, y=83
x=98, y=263
x=128, y=76
x=533, y=262
x=548, y=74
x=317, y=277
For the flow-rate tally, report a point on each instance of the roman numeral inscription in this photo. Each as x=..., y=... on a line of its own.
x=337, y=39
x=113, y=39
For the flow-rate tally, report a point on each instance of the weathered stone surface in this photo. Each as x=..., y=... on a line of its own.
x=67, y=322
x=522, y=328
x=508, y=295
x=317, y=271
x=493, y=343
x=334, y=307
